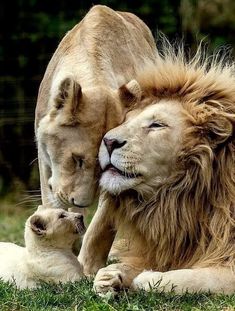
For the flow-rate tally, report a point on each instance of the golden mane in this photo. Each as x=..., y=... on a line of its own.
x=190, y=219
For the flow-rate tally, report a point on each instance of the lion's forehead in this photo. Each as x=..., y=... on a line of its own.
x=169, y=111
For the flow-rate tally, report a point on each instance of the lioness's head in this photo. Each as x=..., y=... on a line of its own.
x=69, y=137
x=181, y=134
x=53, y=227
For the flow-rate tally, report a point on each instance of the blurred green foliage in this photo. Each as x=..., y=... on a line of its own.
x=30, y=33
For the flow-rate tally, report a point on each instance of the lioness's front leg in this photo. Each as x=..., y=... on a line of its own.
x=98, y=239
x=46, y=196
x=214, y=280
x=115, y=277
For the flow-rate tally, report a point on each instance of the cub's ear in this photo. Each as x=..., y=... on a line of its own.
x=37, y=224
x=67, y=98
x=130, y=93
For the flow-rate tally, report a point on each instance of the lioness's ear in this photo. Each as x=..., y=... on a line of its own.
x=38, y=225
x=68, y=96
x=130, y=93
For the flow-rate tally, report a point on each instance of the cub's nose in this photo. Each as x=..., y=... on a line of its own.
x=112, y=144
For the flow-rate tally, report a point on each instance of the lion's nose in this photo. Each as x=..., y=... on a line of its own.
x=112, y=144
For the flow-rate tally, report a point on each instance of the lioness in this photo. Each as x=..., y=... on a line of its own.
x=168, y=182
x=81, y=97
x=47, y=255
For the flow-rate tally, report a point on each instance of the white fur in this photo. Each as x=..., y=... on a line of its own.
x=191, y=280
x=46, y=257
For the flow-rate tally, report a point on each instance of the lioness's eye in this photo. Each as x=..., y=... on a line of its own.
x=78, y=160
x=62, y=216
x=157, y=125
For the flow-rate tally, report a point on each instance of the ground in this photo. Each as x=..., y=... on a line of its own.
x=80, y=296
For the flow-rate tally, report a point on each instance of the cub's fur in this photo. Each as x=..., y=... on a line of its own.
x=47, y=255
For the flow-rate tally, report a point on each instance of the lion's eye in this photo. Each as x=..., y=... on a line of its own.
x=78, y=160
x=156, y=125
x=62, y=216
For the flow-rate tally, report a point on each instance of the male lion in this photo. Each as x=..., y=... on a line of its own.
x=169, y=184
x=79, y=100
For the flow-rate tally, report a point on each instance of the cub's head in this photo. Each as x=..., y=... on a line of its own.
x=181, y=133
x=53, y=227
x=69, y=137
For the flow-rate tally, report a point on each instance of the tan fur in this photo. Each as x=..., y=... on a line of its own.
x=79, y=100
x=179, y=213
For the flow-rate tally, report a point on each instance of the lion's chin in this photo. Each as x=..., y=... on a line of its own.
x=116, y=183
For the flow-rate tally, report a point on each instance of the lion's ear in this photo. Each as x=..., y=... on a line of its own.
x=130, y=93
x=219, y=131
x=38, y=225
x=67, y=98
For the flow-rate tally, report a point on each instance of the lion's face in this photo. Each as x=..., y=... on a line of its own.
x=142, y=151
x=68, y=141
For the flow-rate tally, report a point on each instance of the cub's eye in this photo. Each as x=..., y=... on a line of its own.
x=157, y=125
x=62, y=216
x=78, y=160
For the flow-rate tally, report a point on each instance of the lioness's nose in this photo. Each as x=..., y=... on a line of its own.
x=112, y=144
x=79, y=217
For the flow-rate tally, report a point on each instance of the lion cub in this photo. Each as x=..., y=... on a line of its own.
x=47, y=255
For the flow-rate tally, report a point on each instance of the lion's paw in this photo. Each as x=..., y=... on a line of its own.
x=108, y=280
x=147, y=280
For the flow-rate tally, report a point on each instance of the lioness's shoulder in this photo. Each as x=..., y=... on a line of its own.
x=136, y=23
x=100, y=11
x=109, y=17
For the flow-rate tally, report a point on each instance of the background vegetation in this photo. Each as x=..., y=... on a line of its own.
x=30, y=33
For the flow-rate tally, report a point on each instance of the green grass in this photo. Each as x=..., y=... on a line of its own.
x=80, y=296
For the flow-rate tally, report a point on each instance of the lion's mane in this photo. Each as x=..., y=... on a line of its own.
x=190, y=219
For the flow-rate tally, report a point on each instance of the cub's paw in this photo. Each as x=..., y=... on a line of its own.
x=108, y=280
x=147, y=281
